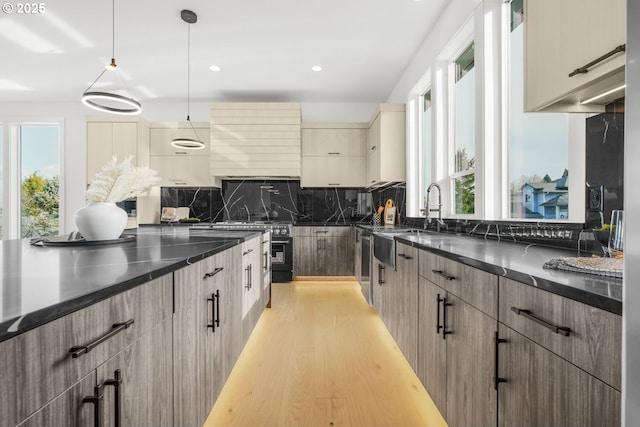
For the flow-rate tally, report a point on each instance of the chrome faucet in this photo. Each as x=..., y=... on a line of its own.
x=427, y=208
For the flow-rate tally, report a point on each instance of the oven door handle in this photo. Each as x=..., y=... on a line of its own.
x=277, y=242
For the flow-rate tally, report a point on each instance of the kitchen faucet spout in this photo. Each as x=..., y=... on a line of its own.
x=427, y=208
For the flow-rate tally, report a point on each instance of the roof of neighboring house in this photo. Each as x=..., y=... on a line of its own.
x=560, y=201
x=547, y=187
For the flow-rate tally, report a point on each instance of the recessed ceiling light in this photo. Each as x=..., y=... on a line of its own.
x=316, y=68
x=215, y=68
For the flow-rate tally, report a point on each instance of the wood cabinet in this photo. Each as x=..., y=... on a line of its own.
x=255, y=139
x=403, y=302
x=266, y=269
x=455, y=339
x=51, y=384
x=207, y=328
x=322, y=251
x=357, y=257
x=334, y=155
x=386, y=145
x=557, y=354
x=251, y=284
x=432, y=350
x=108, y=136
x=180, y=166
x=562, y=36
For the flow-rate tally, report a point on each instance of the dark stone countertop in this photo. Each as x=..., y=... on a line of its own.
x=520, y=262
x=41, y=284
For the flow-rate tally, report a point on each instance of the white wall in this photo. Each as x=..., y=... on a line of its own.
x=631, y=287
x=453, y=17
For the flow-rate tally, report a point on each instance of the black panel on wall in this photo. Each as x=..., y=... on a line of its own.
x=605, y=163
x=204, y=203
x=260, y=200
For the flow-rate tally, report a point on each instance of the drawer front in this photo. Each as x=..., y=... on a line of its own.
x=303, y=231
x=321, y=231
x=476, y=287
x=592, y=341
x=43, y=361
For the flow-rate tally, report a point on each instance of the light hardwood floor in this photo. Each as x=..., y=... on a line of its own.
x=322, y=357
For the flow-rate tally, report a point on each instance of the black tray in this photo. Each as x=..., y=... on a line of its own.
x=64, y=241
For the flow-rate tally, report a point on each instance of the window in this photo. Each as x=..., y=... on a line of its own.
x=30, y=178
x=538, y=144
x=426, y=139
x=463, y=152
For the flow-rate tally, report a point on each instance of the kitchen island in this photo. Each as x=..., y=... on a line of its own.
x=145, y=330
x=41, y=284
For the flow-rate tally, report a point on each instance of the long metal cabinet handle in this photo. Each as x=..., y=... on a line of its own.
x=248, y=271
x=585, y=68
x=212, y=325
x=496, y=342
x=218, y=307
x=445, y=304
x=322, y=231
x=213, y=273
x=266, y=261
x=562, y=330
x=443, y=274
x=438, y=325
x=248, y=251
x=116, y=382
x=96, y=401
x=380, y=270
x=407, y=257
x=79, y=350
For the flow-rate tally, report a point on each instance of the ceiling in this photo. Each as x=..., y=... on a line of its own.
x=265, y=49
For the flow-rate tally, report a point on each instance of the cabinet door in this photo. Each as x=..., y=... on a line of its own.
x=336, y=256
x=266, y=269
x=542, y=389
x=560, y=37
x=334, y=141
x=99, y=146
x=68, y=409
x=432, y=349
x=357, y=256
x=182, y=170
x=251, y=309
x=146, y=388
x=125, y=141
x=305, y=250
x=405, y=310
x=191, y=337
x=333, y=171
x=373, y=153
x=471, y=398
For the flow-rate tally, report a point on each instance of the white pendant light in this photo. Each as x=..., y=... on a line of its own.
x=114, y=101
x=189, y=143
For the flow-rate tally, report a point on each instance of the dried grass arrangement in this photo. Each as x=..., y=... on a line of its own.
x=120, y=181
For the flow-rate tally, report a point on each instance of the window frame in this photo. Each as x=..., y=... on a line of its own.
x=11, y=170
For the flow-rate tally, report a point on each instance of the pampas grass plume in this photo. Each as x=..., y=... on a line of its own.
x=120, y=181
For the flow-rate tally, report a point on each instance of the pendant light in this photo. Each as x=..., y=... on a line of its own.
x=189, y=143
x=115, y=101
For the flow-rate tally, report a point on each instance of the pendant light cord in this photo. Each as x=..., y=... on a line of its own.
x=189, y=81
x=113, y=30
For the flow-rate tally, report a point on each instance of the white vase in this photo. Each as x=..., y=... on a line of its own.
x=101, y=221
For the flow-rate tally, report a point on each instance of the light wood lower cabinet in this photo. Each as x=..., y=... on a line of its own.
x=251, y=285
x=323, y=251
x=51, y=385
x=403, y=302
x=542, y=389
x=207, y=328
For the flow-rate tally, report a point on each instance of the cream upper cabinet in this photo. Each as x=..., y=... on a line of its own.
x=255, y=139
x=386, y=145
x=108, y=137
x=334, y=154
x=564, y=36
x=179, y=166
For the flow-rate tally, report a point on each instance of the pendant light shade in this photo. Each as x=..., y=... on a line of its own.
x=189, y=143
x=116, y=100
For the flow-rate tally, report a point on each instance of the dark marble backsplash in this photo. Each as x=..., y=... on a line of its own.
x=282, y=200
